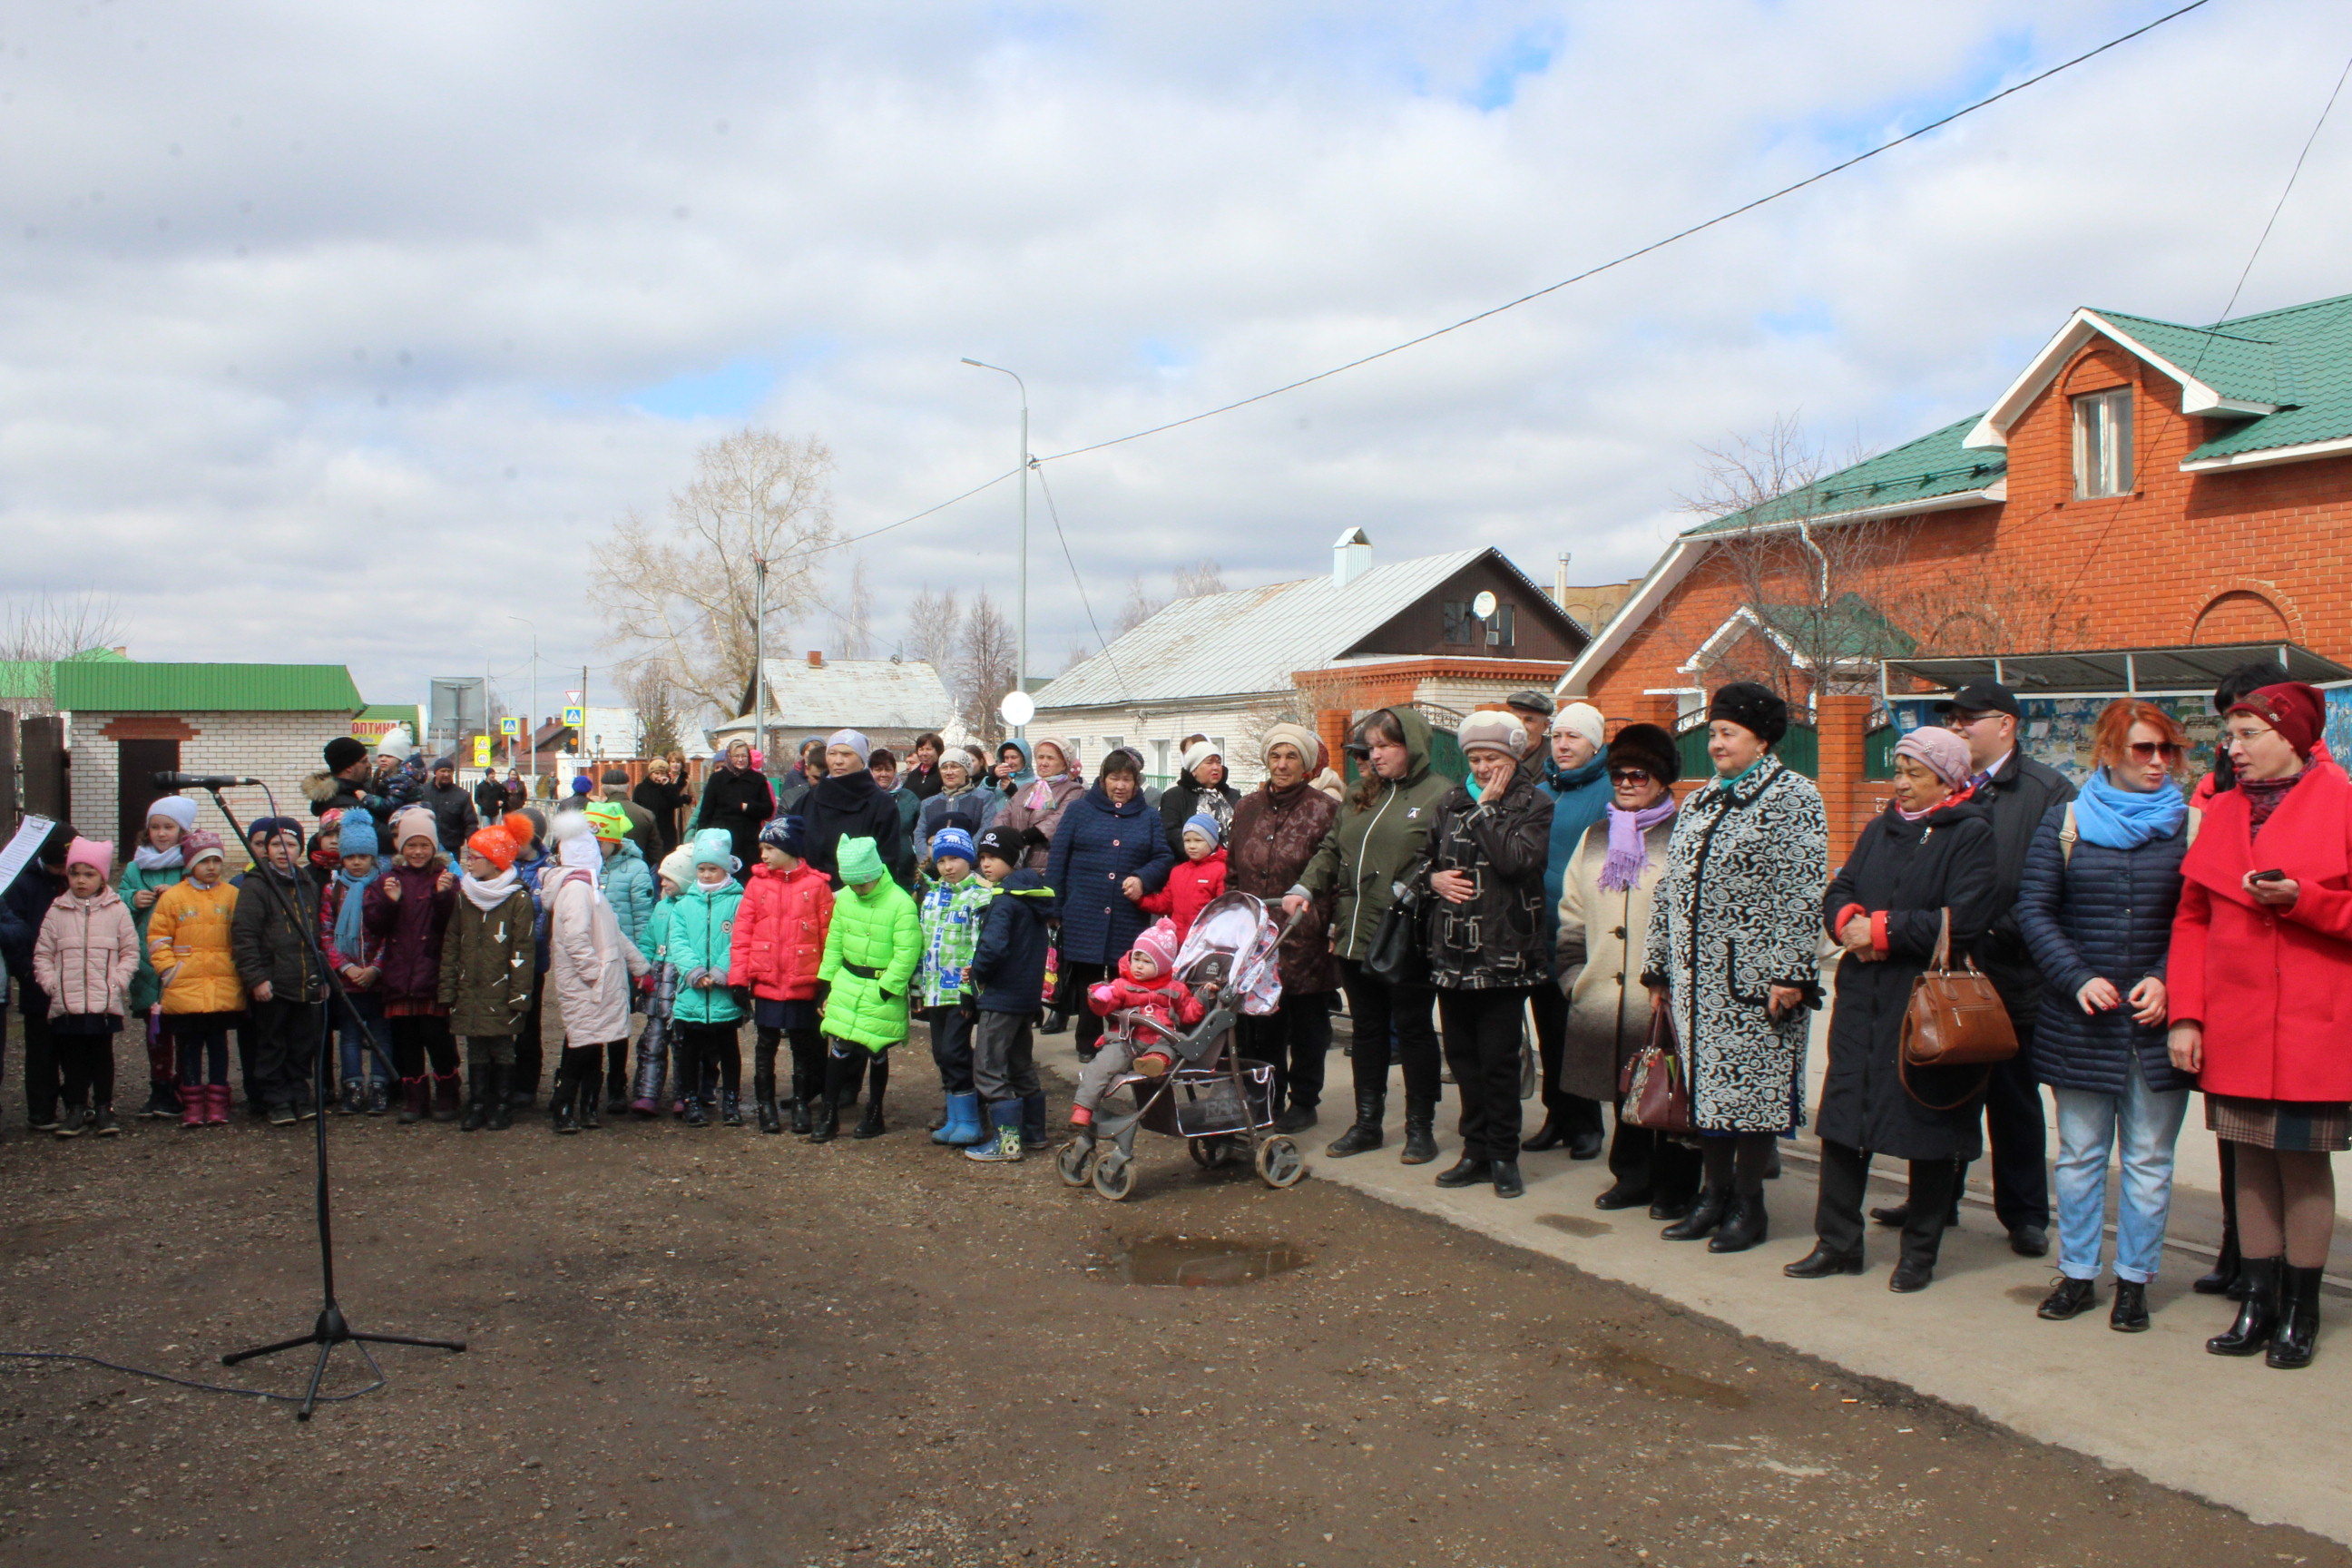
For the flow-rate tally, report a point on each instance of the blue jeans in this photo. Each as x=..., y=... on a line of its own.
x=368, y=1005
x=2090, y=1126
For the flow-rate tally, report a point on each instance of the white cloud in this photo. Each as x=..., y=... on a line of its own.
x=366, y=308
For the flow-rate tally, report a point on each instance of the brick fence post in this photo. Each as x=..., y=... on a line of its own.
x=1843, y=725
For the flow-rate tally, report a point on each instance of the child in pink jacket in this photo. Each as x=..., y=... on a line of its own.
x=84, y=958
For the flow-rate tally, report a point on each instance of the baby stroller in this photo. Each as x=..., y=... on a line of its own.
x=1213, y=1099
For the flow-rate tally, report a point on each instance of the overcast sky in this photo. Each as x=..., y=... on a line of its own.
x=343, y=332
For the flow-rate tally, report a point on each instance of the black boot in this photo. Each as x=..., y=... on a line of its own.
x=559, y=1103
x=730, y=1108
x=1371, y=1110
x=2298, y=1323
x=2130, y=1313
x=1822, y=1262
x=2228, y=1276
x=763, y=1099
x=585, y=1089
x=2258, y=1315
x=1420, y=1132
x=477, y=1111
x=501, y=1093
x=800, y=1107
x=1465, y=1173
x=695, y=1115
x=1705, y=1216
x=1745, y=1223
x=870, y=1125
x=1551, y=1135
x=826, y=1119
x=2071, y=1298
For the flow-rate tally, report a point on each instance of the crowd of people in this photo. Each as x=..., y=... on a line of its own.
x=1574, y=879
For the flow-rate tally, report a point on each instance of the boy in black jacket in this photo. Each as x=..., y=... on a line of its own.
x=270, y=938
x=1008, y=983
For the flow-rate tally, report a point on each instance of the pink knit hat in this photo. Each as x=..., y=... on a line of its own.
x=1938, y=750
x=1158, y=944
x=92, y=852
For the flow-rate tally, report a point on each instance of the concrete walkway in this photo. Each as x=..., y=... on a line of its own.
x=2234, y=1432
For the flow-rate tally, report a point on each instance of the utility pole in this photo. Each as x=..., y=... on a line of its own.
x=1021, y=651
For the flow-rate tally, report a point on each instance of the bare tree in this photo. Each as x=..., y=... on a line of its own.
x=1077, y=653
x=39, y=628
x=1140, y=606
x=1204, y=576
x=986, y=661
x=683, y=589
x=647, y=685
x=853, y=614
x=935, y=636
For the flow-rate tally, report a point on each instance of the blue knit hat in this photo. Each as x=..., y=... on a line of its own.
x=1202, y=823
x=953, y=841
x=357, y=834
x=789, y=833
x=716, y=847
x=582, y=783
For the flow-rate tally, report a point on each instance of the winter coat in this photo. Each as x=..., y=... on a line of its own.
x=921, y=782
x=271, y=944
x=852, y=806
x=871, y=950
x=1738, y=912
x=371, y=952
x=2272, y=987
x=146, y=990
x=1369, y=848
x=1580, y=797
x=970, y=808
x=779, y=937
x=326, y=792
x=628, y=884
x=486, y=966
x=1163, y=1000
x=1008, y=967
x=662, y=803
x=188, y=935
x=791, y=789
x=22, y=909
x=1910, y=872
x=1272, y=838
x=87, y=953
x=740, y=803
x=1096, y=847
x=1187, y=797
x=951, y=915
x=2019, y=796
x=1037, y=807
x=700, y=934
x=2099, y=912
x=1498, y=939
x=411, y=929
x=1190, y=885
x=1597, y=954
x=490, y=800
x=454, y=816
x=590, y=962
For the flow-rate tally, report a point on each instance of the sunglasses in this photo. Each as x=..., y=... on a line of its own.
x=2149, y=751
x=1631, y=775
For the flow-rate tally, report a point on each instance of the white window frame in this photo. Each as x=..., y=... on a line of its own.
x=2102, y=444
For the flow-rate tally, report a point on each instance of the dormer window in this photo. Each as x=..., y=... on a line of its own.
x=2102, y=444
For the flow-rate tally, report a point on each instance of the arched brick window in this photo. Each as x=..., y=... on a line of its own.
x=2241, y=615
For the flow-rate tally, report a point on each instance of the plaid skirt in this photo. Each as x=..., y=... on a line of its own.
x=2297, y=1127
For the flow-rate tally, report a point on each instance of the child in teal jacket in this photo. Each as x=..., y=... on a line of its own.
x=709, y=1014
x=871, y=950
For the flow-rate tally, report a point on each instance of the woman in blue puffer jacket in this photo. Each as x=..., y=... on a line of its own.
x=1108, y=851
x=2101, y=881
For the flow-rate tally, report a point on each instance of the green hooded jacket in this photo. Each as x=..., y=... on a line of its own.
x=700, y=935
x=870, y=952
x=1369, y=847
x=146, y=988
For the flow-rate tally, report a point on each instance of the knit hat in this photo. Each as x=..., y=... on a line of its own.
x=1196, y=753
x=90, y=852
x=789, y=833
x=341, y=753
x=1755, y=709
x=1939, y=751
x=953, y=841
x=1001, y=842
x=448, y=764
x=414, y=822
x=356, y=834
x=263, y=827
x=1647, y=747
x=1160, y=942
x=1530, y=700
x=1582, y=719
x=678, y=865
x=714, y=846
x=2294, y=710
x=501, y=842
x=1492, y=730
x=582, y=783
x=396, y=744
x=178, y=807
x=853, y=740
x=860, y=862
x=1297, y=735
x=609, y=820
x=1202, y=823
x=200, y=843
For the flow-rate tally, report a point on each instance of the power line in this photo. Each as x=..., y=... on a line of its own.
x=1054, y=513
x=1635, y=254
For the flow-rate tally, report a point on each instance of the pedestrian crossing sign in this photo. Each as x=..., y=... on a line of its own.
x=510, y=727
x=575, y=716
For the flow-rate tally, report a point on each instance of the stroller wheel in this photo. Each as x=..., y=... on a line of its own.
x=1279, y=1162
x=1211, y=1154
x=1074, y=1165
x=1114, y=1174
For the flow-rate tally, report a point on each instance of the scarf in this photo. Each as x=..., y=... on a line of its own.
x=1726, y=785
x=1565, y=780
x=2263, y=796
x=2114, y=817
x=1041, y=793
x=147, y=857
x=1963, y=793
x=1629, y=849
x=348, y=918
x=487, y=896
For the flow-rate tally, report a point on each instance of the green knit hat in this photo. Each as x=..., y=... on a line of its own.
x=860, y=862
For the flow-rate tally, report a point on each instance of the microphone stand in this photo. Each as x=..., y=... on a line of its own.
x=332, y=1329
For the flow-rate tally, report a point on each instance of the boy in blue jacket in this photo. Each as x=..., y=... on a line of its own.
x=1008, y=983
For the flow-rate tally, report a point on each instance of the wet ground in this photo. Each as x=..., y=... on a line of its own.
x=716, y=1347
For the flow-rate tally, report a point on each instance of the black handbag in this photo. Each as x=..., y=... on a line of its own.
x=1400, y=951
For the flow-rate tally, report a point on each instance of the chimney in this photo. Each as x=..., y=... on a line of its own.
x=816, y=658
x=1351, y=557
x=1560, y=582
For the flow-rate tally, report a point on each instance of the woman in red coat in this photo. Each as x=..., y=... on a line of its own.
x=2261, y=948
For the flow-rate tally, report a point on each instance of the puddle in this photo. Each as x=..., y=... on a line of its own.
x=1575, y=1225
x=1194, y=1260
x=1656, y=1378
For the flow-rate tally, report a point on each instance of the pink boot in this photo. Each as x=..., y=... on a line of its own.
x=216, y=1105
x=194, y=1101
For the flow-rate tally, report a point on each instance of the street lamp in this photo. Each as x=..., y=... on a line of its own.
x=1020, y=655
x=530, y=720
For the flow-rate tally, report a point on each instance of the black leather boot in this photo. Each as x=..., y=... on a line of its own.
x=870, y=1125
x=1745, y=1222
x=1366, y=1134
x=501, y=1098
x=2298, y=1323
x=1551, y=1135
x=585, y=1091
x=1705, y=1216
x=2257, y=1315
x=2069, y=1299
x=2129, y=1315
x=1465, y=1173
x=1822, y=1262
x=825, y=1120
x=477, y=1111
x=800, y=1108
x=559, y=1103
x=2227, y=1278
x=1420, y=1134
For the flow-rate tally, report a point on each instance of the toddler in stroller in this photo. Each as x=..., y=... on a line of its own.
x=1158, y=1006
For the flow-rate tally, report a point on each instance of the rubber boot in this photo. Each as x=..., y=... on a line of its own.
x=378, y=1097
x=501, y=1098
x=2257, y=1315
x=1745, y=1223
x=801, y=1122
x=417, y=1099
x=730, y=1109
x=1006, y=1147
x=216, y=1104
x=1704, y=1218
x=193, y=1104
x=963, y=1129
x=1366, y=1134
x=1032, y=1120
x=870, y=1125
x=559, y=1103
x=2228, y=1276
x=1420, y=1132
x=825, y=1120
x=2298, y=1323
x=588, y=1084
x=445, y=1094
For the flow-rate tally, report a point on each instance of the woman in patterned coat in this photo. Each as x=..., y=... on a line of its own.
x=1732, y=952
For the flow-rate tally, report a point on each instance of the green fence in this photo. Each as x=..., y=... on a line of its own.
x=1800, y=748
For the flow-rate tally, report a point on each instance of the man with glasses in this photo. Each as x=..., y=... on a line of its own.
x=2021, y=792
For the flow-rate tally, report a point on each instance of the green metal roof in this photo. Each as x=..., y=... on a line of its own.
x=137, y=688
x=408, y=714
x=1934, y=465
x=2310, y=368
x=28, y=678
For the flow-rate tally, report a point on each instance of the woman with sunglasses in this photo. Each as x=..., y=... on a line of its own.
x=2101, y=880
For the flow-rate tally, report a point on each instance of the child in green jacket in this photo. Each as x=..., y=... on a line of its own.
x=871, y=950
x=709, y=1014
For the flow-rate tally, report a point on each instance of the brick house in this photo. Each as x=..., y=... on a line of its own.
x=129, y=721
x=2141, y=484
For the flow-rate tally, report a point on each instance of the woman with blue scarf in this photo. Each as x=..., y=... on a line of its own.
x=2096, y=907
x=1575, y=780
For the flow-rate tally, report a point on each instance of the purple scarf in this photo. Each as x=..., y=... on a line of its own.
x=1628, y=850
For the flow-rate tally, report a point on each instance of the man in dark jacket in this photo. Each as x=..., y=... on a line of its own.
x=490, y=797
x=849, y=803
x=453, y=809
x=794, y=783
x=22, y=909
x=270, y=940
x=347, y=784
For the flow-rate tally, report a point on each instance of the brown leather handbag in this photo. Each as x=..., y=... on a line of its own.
x=1955, y=1018
x=1653, y=1090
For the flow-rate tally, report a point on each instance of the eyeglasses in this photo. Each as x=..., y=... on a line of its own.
x=2149, y=751
x=1957, y=719
x=1630, y=775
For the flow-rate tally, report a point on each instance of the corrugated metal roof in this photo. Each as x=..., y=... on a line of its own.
x=1934, y=465
x=139, y=688
x=852, y=694
x=29, y=678
x=1249, y=640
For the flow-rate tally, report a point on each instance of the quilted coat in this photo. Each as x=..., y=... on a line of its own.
x=2101, y=912
x=1096, y=847
x=590, y=963
x=1738, y=911
x=1008, y=967
x=272, y=945
x=411, y=929
x=628, y=884
x=145, y=987
x=2273, y=989
x=187, y=934
x=779, y=937
x=1601, y=933
x=1369, y=847
x=870, y=952
x=86, y=954
x=1274, y=835
x=486, y=966
x=1040, y=803
x=700, y=934
x=1499, y=938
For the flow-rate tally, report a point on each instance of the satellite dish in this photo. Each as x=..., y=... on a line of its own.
x=1482, y=606
x=1017, y=709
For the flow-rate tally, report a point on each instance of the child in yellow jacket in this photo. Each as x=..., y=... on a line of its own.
x=187, y=944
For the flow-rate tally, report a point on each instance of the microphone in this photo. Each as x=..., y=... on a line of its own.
x=199, y=780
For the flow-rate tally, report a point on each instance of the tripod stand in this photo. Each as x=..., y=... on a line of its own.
x=331, y=1329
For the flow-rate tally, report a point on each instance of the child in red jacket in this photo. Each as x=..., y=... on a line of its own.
x=1147, y=984
x=1197, y=879
x=779, y=942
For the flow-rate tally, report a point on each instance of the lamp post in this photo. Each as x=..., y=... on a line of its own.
x=530, y=719
x=1021, y=653
x=760, y=658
